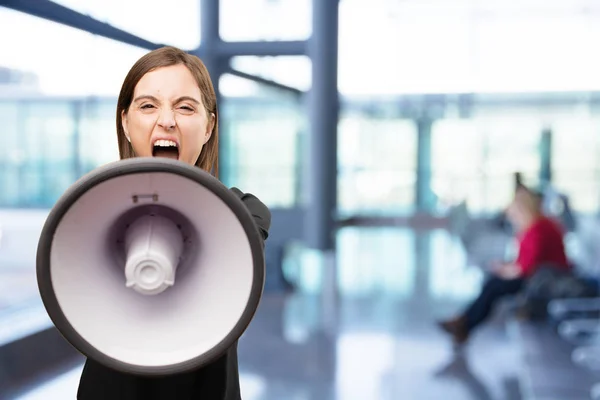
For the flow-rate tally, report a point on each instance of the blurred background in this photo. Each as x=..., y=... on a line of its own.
x=384, y=136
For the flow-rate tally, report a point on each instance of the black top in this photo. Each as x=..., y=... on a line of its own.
x=216, y=381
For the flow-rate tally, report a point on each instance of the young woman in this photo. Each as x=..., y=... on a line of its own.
x=167, y=108
x=540, y=244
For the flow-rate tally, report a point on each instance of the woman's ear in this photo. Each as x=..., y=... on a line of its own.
x=209, y=127
x=124, y=125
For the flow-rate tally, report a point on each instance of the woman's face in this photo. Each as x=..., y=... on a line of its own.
x=166, y=117
x=522, y=211
x=515, y=214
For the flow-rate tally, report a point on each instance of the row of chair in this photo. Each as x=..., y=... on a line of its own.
x=578, y=321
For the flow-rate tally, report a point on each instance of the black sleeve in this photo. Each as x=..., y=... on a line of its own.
x=260, y=212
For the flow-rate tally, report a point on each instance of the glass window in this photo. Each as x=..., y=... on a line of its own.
x=61, y=60
x=48, y=145
x=11, y=156
x=511, y=145
x=268, y=20
x=576, y=161
x=261, y=143
x=263, y=128
x=475, y=159
x=97, y=133
x=483, y=47
x=450, y=277
x=293, y=71
x=176, y=23
x=377, y=165
x=457, y=157
x=40, y=158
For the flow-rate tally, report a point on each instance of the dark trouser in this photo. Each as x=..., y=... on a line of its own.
x=493, y=290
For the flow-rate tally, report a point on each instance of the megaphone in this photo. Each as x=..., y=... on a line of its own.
x=150, y=266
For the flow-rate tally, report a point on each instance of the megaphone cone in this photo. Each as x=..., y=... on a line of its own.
x=150, y=266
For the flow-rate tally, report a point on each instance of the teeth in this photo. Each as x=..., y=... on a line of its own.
x=165, y=143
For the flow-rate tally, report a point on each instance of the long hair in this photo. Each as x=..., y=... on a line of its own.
x=166, y=57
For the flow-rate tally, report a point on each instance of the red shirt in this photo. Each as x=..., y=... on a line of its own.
x=542, y=243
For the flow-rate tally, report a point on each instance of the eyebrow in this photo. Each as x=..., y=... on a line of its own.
x=178, y=100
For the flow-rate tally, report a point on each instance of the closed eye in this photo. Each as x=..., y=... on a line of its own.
x=186, y=110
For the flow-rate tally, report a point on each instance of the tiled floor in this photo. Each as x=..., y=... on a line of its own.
x=383, y=342
x=381, y=350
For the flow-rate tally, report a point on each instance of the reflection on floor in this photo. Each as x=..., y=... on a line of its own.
x=17, y=286
x=383, y=343
x=380, y=350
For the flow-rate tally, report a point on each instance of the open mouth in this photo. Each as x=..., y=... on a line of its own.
x=165, y=149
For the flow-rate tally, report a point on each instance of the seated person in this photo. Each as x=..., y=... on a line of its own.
x=540, y=243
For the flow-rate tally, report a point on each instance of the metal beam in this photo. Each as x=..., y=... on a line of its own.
x=63, y=15
x=282, y=48
x=210, y=12
x=264, y=81
x=546, y=157
x=323, y=113
x=424, y=195
x=209, y=31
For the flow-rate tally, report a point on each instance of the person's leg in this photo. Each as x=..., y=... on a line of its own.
x=493, y=290
x=481, y=307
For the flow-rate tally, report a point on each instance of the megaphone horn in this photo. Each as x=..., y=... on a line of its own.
x=150, y=266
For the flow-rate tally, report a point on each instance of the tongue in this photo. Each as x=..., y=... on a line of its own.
x=166, y=152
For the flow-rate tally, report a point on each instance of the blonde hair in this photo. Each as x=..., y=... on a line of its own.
x=528, y=201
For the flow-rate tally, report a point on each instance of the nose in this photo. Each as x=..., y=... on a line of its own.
x=166, y=119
